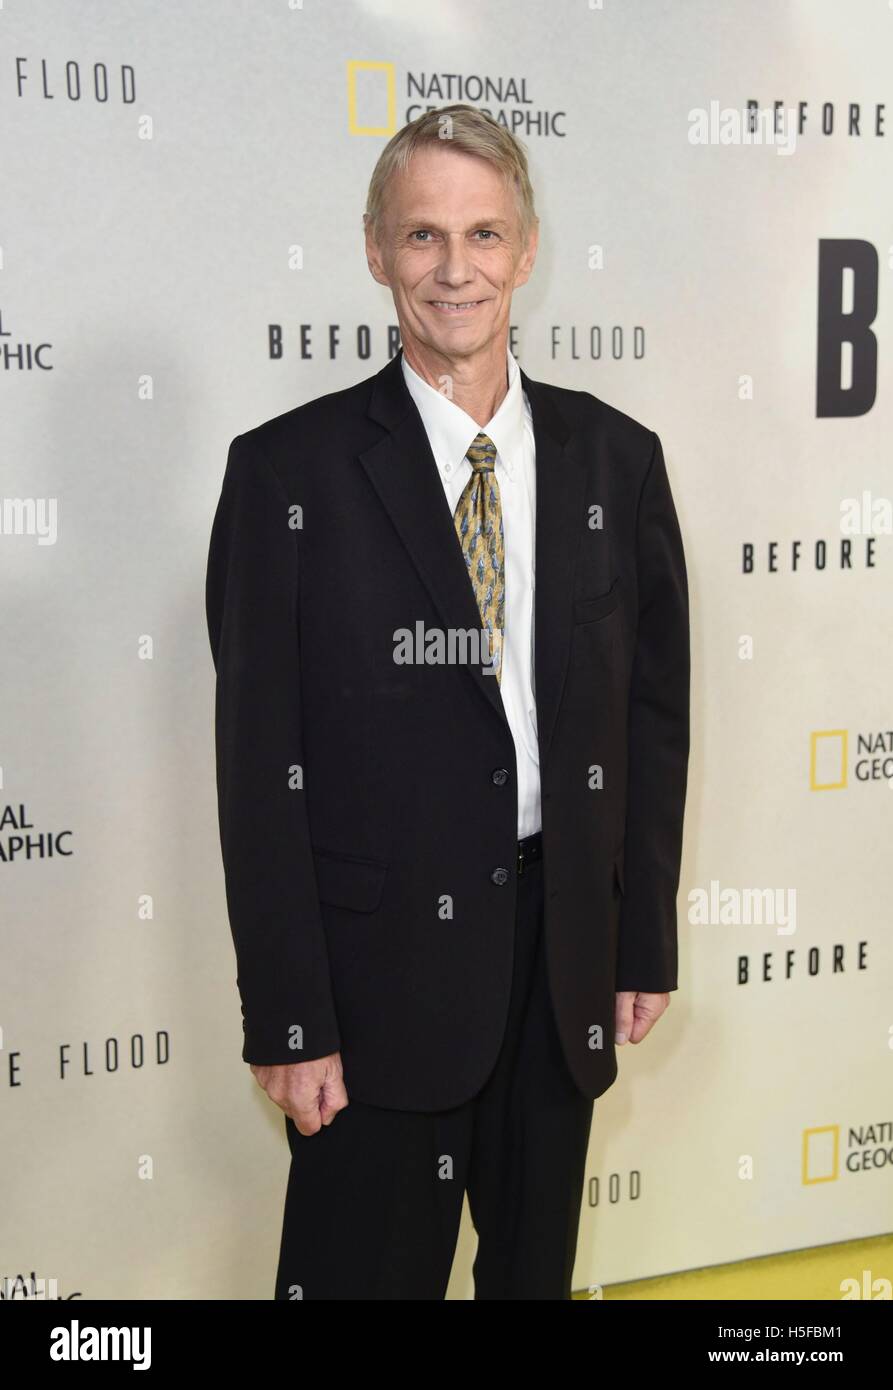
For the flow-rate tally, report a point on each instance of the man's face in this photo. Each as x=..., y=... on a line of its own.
x=450, y=235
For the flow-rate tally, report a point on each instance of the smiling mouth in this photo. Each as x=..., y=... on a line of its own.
x=446, y=307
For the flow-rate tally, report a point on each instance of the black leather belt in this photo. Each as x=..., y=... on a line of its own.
x=530, y=849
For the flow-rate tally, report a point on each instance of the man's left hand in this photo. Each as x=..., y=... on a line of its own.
x=635, y=1014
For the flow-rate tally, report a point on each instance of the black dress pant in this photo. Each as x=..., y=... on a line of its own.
x=374, y=1200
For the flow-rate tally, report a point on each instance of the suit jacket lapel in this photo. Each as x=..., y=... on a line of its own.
x=403, y=471
x=560, y=518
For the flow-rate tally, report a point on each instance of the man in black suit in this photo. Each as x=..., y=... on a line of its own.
x=448, y=610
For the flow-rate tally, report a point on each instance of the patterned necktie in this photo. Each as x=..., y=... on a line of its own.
x=478, y=519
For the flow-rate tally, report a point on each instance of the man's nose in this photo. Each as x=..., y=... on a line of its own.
x=455, y=266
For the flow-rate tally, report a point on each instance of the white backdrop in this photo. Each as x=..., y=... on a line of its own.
x=149, y=243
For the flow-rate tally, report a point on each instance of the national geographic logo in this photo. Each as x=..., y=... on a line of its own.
x=19, y=845
x=24, y=354
x=869, y=1148
x=372, y=99
x=829, y=758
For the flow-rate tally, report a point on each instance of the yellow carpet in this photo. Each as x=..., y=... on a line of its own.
x=810, y=1274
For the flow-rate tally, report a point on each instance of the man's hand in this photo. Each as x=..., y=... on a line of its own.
x=312, y=1093
x=636, y=1014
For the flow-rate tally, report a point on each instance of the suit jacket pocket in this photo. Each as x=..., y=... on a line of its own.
x=344, y=881
x=590, y=610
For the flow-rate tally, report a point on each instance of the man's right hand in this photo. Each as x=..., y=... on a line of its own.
x=311, y=1093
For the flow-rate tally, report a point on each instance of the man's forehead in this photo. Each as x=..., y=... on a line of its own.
x=427, y=172
x=429, y=217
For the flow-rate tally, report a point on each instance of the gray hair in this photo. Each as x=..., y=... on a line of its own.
x=463, y=128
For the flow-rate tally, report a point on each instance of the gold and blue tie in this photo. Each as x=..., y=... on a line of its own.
x=478, y=520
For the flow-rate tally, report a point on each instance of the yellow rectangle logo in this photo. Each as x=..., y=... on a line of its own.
x=353, y=67
x=827, y=759
x=821, y=1155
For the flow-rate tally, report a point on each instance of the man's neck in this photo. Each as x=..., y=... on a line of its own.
x=477, y=385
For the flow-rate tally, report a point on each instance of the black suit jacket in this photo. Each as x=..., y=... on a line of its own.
x=364, y=813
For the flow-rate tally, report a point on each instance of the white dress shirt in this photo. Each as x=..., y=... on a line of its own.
x=450, y=432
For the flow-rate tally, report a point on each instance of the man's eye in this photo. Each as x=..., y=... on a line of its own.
x=421, y=233
x=485, y=232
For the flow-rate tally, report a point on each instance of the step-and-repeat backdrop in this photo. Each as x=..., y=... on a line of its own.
x=182, y=258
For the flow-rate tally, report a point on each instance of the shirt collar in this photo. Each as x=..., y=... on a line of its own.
x=450, y=430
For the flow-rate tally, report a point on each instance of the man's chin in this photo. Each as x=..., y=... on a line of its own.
x=460, y=344
x=467, y=336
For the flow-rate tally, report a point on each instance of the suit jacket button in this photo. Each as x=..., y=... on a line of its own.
x=500, y=876
x=499, y=777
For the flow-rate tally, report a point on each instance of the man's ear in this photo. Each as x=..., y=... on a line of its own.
x=522, y=275
x=373, y=255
